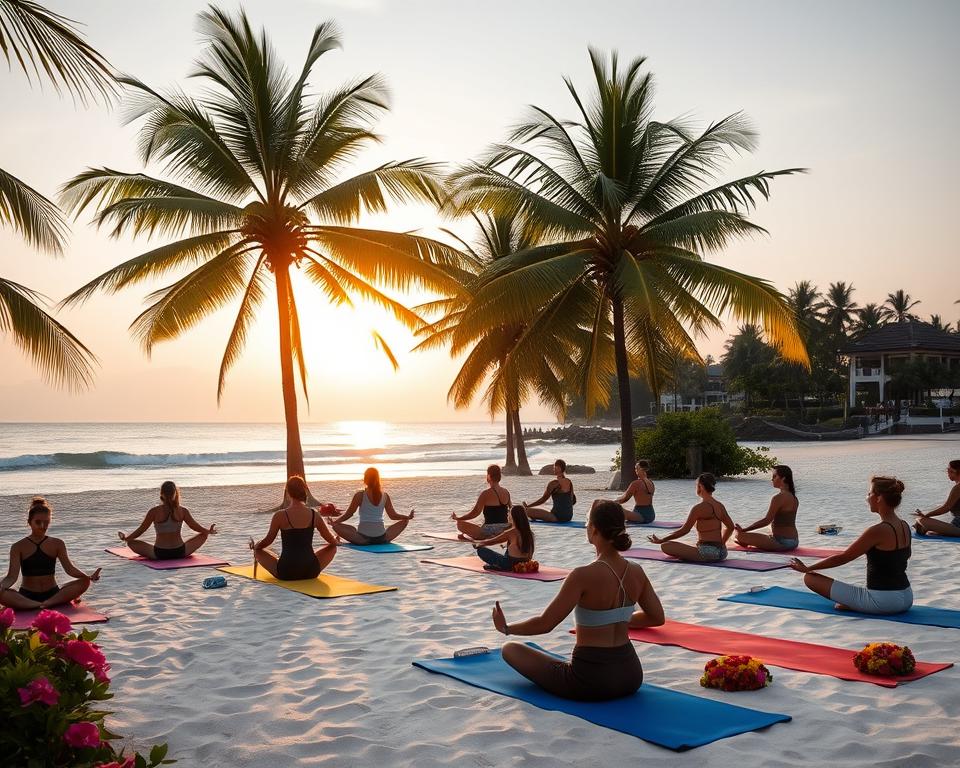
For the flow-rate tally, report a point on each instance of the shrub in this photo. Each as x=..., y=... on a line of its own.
x=50, y=682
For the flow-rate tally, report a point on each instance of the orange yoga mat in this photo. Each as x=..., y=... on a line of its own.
x=789, y=654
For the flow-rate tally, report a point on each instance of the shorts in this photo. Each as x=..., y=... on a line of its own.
x=596, y=674
x=489, y=530
x=645, y=512
x=783, y=541
x=173, y=553
x=371, y=540
x=39, y=597
x=882, y=601
x=712, y=553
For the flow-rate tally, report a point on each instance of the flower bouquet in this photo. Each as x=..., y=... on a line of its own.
x=51, y=680
x=885, y=659
x=526, y=566
x=735, y=673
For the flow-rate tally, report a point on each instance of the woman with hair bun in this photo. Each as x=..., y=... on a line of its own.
x=35, y=557
x=926, y=524
x=168, y=518
x=887, y=547
x=709, y=516
x=602, y=595
x=781, y=517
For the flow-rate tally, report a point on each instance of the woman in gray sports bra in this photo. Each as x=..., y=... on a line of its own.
x=925, y=523
x=168, y=518
x=603, y=597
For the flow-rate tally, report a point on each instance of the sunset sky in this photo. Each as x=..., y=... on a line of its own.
x=864, y=94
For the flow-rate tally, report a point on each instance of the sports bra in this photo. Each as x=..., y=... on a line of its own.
x=170, y=525
x=495, y=513
x=590, y=617
x=39, y=563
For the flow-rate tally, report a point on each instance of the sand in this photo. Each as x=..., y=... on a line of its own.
x=257, y=676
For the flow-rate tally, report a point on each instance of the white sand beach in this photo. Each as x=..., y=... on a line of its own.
x=253, y=675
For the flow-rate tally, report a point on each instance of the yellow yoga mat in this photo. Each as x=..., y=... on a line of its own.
x=324, y=585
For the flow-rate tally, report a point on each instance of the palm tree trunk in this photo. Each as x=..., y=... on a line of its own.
x=294, y=448
x=627, y=472
x=511, y=463
x=523, y=466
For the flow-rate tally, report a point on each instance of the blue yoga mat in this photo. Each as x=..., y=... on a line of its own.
x=389, y=548
x=944, y=539
x=583, y=524
x=669, y=718
x=778, y=597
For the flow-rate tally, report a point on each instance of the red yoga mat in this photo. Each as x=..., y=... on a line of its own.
x=78, y=614
x=194, y=561
x=798, y=552
x=741, y=563
x=475, y=564
x=804, y=657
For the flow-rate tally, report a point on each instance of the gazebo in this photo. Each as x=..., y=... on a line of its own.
x=877, y=355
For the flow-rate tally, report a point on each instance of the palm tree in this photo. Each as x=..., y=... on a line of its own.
x=937, y=322
x=517, y=359
x=869, y=318
x=900, y=304
x=254, y=165
x=619, y=203
x=839, y=307
x=45, y=45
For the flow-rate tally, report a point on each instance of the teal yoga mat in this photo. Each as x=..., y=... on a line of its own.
x=389, y=548
x=668, y=718
x=942, y=539
x=630, y=525
x=778, y=597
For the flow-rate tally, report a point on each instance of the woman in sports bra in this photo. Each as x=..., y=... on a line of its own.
x=295, y=524
x=887, y=547
x=372, y=503
x=642, y=490
x=603, y=597
x=35, y=558
x=168, y=519
x=560, y=491
x=714, y=527
x=493, y=504
x=925, y=523
x=781, y=517
x=518, y=539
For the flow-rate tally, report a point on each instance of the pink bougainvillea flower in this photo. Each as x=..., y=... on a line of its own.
x=52, y=623
x=39, y=689
x=88, y=655
x=129, y=762
x=6, y=618
x=79, y=735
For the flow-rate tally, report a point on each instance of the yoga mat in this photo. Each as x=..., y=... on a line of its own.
x=446, y=537
x=945, y=539
x=583, y=524
x=741, y=564
x=194, y=561
x=798, y=552
x=778, y=597
x=668, y=718
x=805, y=657
x=475, y=564
x=388, y=548
x=78, y=614
x=324, y=585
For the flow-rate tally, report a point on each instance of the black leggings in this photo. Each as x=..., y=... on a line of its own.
x=596, y=674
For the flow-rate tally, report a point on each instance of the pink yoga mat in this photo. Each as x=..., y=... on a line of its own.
x=475, y=564
x=798, y=552
x=446, y=537
x=742, y=564
x=805, y=657
x=78, y=614
x=194, y=561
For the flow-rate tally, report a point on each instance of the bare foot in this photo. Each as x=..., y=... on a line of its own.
x=919, y=529
x=463, y=537
x=841, y=606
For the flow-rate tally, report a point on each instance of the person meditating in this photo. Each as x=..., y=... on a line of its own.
x=35, y=557
x=781, y=517
x=493, y=503
x=642, y=490
x=926, y=524
x=602, y=595
x=296, y=525
x=372, y=503
x=887, y=547
x=560, y=491
x=709, y=516
x=518, y=538
x=168, y=519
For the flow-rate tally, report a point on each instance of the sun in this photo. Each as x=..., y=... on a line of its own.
x=365, y=435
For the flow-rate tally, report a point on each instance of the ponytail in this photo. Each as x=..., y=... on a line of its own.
x=170, y=496
x=786, y=474
x=371, y=479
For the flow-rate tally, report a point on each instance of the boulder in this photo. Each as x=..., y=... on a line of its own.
x=572, y=469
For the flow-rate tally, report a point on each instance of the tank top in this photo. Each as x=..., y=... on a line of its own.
x=371, y=516
x=495, y=513
x=169, y=525
x=38, y=563
x=887, y=569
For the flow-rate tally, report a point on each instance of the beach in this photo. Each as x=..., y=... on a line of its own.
x=253, y=675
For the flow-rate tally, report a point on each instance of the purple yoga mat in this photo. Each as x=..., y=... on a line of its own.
x=78, y=614
x=751, y=564
x=475, y=564
x=194, y=561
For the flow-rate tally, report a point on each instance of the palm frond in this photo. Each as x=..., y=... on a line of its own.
x=381, y=344
x=253, y=297
x=28, y=212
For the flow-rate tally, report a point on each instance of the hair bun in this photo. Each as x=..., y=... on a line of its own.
x=622, y=541
x=898, y=484
x=38, y=501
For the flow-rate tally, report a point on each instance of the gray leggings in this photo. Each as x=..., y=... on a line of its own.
x=881, y=601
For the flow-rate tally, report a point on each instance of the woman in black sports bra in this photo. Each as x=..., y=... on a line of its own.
x=493, y=504
x=296, y=525
x=35, y=557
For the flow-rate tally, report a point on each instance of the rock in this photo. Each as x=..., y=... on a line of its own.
x=614, y=482
x=575, y=433
x=572, y=469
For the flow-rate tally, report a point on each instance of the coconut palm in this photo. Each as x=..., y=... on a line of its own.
x=839, y=308
x=46, y=46
x=937, y=322
x=517, y=360
x=870, y=317
x=804, y=299
x=253, y=191
x=900, y=303
x=621, y=205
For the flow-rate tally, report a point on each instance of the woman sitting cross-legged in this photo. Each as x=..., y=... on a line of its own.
x=887, y=547
x=36, y=558
x=168, y=519
x=493, y=504
x=372, y=503
x=926, y=524
x=296, y=525
x=518, y=538
x=709, y=516
x=602, y=595
x=560, y=492
x=642, y=490
x=781, y=517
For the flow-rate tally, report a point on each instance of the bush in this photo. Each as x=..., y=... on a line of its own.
x=50, y=680
x=665, y=446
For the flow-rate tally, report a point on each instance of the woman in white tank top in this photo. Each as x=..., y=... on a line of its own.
x=371, y=503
